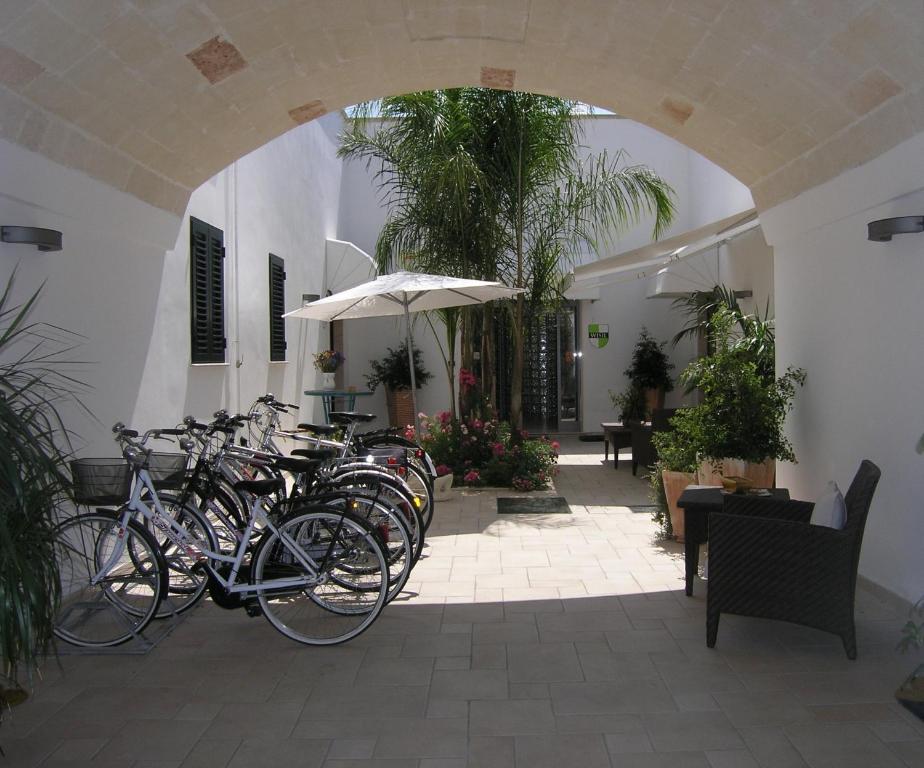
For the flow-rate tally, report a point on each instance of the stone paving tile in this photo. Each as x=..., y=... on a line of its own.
x=530, y=641
x=559, y=750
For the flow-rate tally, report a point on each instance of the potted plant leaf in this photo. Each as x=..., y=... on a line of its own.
x=677, y=461
x=650, y=371
x=394, y=373
x=631, y=405
x=34, y=484
x=738, y=425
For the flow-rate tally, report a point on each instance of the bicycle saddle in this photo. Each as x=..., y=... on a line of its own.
x=295, y=466
x=350, y=417
x=259, y=487
x=318, y=429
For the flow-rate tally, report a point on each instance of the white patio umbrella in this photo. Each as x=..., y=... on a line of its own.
x=402, y=293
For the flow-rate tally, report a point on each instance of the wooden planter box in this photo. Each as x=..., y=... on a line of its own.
x=400, y=407
x=761, y=475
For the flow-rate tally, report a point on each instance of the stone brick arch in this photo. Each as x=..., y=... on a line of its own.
x=155, y=98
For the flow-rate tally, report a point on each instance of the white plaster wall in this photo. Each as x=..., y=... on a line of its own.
x=122, y=278
x=850, y=312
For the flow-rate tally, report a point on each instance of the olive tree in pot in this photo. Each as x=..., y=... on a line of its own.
x=650, y=371
x=738, y=426
x=393, y=371
x=34, y=484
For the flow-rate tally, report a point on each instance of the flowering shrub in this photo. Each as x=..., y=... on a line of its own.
x=481, y=453
x=328, y=361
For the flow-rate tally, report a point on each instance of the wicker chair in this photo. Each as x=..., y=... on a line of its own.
x=643, y=452
x=766, y=560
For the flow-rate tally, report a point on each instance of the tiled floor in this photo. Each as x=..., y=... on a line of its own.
x=557, y=640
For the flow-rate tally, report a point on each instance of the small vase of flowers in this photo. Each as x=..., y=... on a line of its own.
x=327, y=362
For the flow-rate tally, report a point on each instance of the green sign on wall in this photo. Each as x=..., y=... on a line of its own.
x=598, y=334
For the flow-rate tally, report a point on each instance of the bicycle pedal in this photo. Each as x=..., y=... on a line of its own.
x=252, y=606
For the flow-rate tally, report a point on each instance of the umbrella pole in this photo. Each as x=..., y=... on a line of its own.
x=410, y=360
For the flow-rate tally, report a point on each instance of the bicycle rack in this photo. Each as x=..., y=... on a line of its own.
x=142, y=642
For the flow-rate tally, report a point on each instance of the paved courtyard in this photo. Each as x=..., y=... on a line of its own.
x=529, y=641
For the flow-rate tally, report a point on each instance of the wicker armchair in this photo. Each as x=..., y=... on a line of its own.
x=766, y=560
x=643, y=452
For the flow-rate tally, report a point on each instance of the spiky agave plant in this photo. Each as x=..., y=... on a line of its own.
x=34, y=483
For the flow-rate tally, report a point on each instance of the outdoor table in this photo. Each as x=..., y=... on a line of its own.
x=621, y=437
x=696, y=504
x=329, y=395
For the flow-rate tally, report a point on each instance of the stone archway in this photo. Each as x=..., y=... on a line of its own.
x=154, y=100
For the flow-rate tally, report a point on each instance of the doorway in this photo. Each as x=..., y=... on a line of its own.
x=551, y=371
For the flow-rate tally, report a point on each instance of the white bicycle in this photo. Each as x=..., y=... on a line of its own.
x=318, y=574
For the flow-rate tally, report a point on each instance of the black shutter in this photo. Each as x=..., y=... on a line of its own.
x=207, y=291
x=277, y=306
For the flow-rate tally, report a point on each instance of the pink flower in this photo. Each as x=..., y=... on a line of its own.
x=409, y=433
x=442, y=470
x=472, y=476
x=477, y=424
x=444, y=417
x=498, y=449
x=556, y=446
x=466, y=379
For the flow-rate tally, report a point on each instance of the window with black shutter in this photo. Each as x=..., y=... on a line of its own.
x=277, y=306
x=207, y=289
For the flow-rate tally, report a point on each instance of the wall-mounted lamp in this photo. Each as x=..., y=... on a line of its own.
x=881, y=231
x=43, y=239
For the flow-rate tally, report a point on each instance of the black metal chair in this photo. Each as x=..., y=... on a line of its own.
x=766, y=560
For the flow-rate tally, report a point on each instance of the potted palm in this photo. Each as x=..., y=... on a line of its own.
x=34, y=486
x=393, y=371
x=650, y=371
x=739, y=423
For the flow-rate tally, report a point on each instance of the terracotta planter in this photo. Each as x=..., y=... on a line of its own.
x=911, y=695
x=400, y=407
x=654, y=399
x=674, y=483
x=761, y=475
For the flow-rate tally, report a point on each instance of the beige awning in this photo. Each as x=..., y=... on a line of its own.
x=663, y=252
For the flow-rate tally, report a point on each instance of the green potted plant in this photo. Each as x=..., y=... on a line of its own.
x=650, y=370
x=676, y=466
x=393, y=371
x=34, y=485
x=738, y=426
x=631, y=405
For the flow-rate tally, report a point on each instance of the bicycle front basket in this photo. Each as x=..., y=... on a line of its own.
x=101, y=481
x=167, y=470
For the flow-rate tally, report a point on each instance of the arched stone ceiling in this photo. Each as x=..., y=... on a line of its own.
x=155, y=96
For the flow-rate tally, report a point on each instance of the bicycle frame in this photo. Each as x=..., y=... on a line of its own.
x=196, y=548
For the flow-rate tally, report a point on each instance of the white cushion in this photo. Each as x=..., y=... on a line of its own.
x=830, y=509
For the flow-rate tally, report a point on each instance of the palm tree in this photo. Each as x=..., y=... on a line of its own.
x=550, y=203
x=489, y=184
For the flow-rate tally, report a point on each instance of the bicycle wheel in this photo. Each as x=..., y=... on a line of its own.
x=385, y=485
x=388, y=522
x=186, y=585
x=323, y=610
x=112, y=580
x=420, y=484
